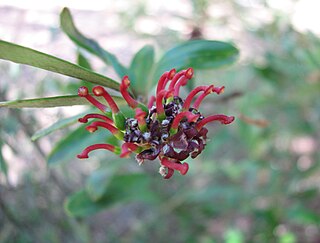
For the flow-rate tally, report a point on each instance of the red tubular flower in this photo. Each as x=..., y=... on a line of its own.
x=185, y=114
x=218, y=90
x=209, y=90
x=164, y=80
x=161, y=82
x=83, y=92
x=198, y=101
x=186, y=73
x=175, y=165
x=94, y=126
x=169, y=174
x=151, y=101
x=87, y=150
x=175, y=79
x=172, y=130
x=192, y=94
x=183, y=81
x=127, y=149
x=221, y=118
x=159, y=103
x=118, y=117
x=98, y=116
x=124, y=91
x=100, y=91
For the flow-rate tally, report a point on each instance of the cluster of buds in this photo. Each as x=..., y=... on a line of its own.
x=169, y=128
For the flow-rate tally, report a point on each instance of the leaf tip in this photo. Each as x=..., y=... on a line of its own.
x=34, y=137
x=65, y=10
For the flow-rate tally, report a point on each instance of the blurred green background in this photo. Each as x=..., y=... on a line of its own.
x=257, y=180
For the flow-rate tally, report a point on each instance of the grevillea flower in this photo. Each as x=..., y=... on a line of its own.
x=169, y=128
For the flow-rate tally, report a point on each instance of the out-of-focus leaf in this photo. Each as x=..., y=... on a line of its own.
x=68, y=100
x=83, y=61
x=56, y=126
x=121, y=189
x=80, y=205
x=97, y=183
x=90, y=45
x=198, y=54
x=73, y=144
x=141, y=67
x=287, y=237
x=303, y=215
x=233, y=236
x=3, y=164
x=27, y=56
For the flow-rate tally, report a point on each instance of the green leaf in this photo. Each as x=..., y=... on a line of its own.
x=90, y=45
x=80, y=205
x=56, y=101
x=300, y=214
x=198, y=54
x=56, y=126
x=73, y=144
x=233, y=236
x=287, y=237
x=121, y=189
x=27, y=56
x=3, y=164
x=141, y=66
x=98, y=182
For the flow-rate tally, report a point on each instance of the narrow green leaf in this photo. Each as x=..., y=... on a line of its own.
x=98, y=182
x=57, y=101
x=199, y=54
x=56, y=126
x=27, y=56
x=121, y=189
x=73, y=144
x=141, y=67
x=90, y=45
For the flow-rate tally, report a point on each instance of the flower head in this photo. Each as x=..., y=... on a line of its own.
x=170, y=128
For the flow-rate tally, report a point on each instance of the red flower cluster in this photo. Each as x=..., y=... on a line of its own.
x=170, y=128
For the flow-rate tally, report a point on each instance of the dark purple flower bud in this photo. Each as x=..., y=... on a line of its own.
x=179, y=140
x=191, y=132
x=149, y=154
